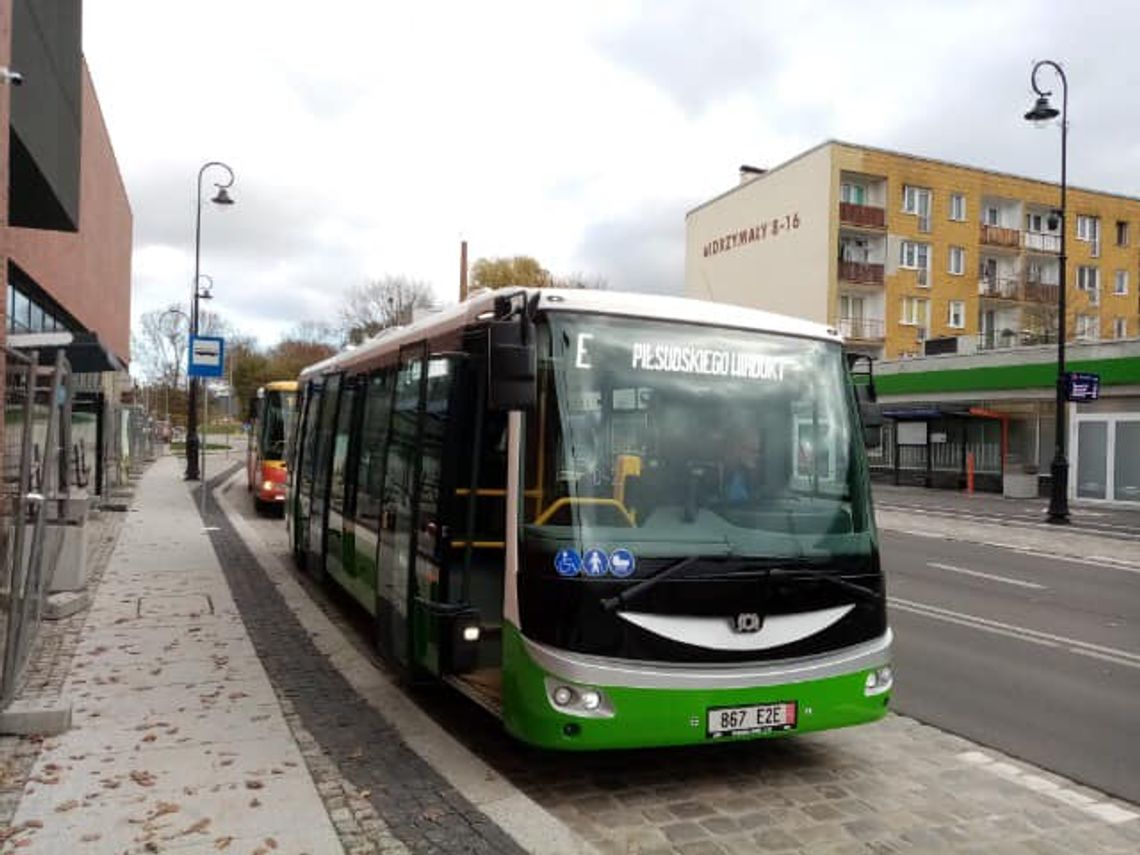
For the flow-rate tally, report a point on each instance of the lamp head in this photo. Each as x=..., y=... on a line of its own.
x=1042, y=111
x=223, y=197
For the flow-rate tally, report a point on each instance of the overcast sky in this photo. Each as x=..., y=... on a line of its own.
x=369, y=138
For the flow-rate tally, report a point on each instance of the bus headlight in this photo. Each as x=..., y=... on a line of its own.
x=878, y=681
x=583, y=701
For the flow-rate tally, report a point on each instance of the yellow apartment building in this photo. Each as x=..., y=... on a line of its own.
x=911, y=256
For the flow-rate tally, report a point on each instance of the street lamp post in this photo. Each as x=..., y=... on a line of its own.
x=221, y=198
x=1043, y=111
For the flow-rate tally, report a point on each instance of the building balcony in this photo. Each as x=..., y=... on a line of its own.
x=1037, y=242
x=862, y=329
x=863, y=216
x=861, y=273
x=999, y=236
x=1041, y=292
x=999, y=288
x=1007, y=338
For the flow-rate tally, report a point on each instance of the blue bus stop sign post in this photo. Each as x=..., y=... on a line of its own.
x=207, y=356
x=1081, y=387
x=207, y=359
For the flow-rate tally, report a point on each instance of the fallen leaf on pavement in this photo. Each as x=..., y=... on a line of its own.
x=198, y=827
x=70, y=804
x=223, y=842
x=253, y=785
x=143, y=778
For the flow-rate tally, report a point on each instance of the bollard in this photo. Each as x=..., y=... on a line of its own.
x=970, y=473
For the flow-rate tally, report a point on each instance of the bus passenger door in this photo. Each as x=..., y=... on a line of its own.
x=304, y=476
x=395, y=563
x=322, y=458
x=340, y=550
x=434, y=610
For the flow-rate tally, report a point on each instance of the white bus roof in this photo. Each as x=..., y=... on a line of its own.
x=650, y=306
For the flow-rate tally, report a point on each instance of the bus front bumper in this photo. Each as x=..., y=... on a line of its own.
x=567, y=701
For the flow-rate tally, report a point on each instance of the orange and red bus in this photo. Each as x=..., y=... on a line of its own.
x=270, y=424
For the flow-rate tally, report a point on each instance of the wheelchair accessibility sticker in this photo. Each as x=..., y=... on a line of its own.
x=568, y=562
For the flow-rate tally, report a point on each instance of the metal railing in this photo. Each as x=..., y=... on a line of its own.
x=33, y=475
x=1040, y=242
x=1000, y=236
x=861, y=328
x=1007, y=338
x=866, y=216
x=862, y=273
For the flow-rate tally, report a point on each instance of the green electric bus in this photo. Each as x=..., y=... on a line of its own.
x=615, y=520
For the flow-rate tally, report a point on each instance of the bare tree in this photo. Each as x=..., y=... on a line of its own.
x=382, y=303
x=159, y=348
x=585, y=281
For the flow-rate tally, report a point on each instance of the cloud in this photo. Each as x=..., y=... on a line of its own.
x=642, y=252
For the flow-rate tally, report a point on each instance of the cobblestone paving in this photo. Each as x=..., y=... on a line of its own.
x=49, y=665
x=380, y=795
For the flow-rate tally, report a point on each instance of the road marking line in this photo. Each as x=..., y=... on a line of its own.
x=1105, y=811
x=1102, y=562
x=939, y=566
x=1045, y=639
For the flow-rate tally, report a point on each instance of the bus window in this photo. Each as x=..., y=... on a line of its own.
x=338, y=487
x=373, y=439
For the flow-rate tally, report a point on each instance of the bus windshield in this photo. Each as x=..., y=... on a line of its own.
x=276, y=418
x=679, y=440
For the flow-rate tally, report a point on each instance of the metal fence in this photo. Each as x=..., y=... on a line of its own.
x=36, y=407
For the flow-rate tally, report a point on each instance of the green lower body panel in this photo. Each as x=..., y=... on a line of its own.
x=639, y=717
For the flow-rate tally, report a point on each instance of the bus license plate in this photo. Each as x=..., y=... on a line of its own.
x=758, y=718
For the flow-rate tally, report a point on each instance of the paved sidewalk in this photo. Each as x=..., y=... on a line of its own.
x=178, y=741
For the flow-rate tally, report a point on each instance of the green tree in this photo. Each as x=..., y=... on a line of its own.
x=290, y=356
x=519, y=271
x=248, y=369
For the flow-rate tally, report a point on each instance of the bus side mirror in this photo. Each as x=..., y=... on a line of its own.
x=512, y=365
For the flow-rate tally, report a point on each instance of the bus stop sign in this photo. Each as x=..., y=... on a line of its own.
x=207, y=356
x=1081, y=387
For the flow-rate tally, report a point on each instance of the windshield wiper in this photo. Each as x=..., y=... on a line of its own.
x=611, y=603
x=778, y=571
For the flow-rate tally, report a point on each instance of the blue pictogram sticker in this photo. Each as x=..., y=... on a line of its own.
x=622, y=563
x=596, y=562
x=568, y=562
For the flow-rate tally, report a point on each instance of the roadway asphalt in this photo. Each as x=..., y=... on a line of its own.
x=1037, y=657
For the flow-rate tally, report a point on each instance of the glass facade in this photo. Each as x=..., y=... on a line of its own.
x=29, y=315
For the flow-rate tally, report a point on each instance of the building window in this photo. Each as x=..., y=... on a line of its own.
x=916, y=200
x=1121, y=233
x=957, y=260
x=991, y=216
x=1087, y=328
x=1088, y=229
x=855, y=194
x=956, y=316
x=958, y=207
x=1120, y=328
x=1087, y=278
x=914, y=255
x=1120, y=287
x=915, y=311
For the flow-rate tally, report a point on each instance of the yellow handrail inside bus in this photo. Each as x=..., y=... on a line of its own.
x=558, y=504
